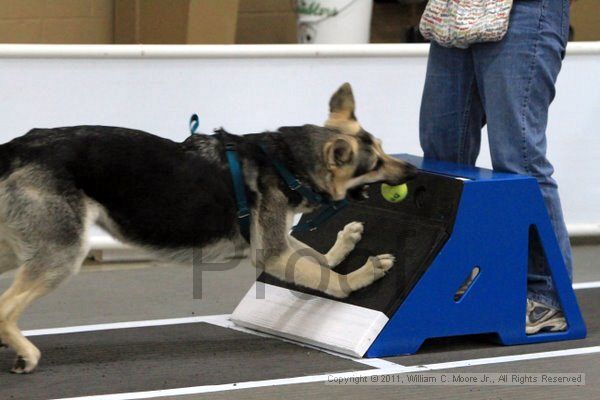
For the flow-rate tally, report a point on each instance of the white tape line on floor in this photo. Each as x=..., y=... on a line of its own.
x=213, y=319
x=122, y=325
x=341, y=375
x=586, y=285
x=221, y=320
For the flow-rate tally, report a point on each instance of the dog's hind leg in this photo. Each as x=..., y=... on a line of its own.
x=12, y=303
x=8, y=258
x=35, y=278
x=44, y=220
x=8, y=261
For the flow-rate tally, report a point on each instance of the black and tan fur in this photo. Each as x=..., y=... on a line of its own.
x=176, y=199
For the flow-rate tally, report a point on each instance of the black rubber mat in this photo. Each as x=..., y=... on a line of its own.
x=414, y=230
x=153, y=358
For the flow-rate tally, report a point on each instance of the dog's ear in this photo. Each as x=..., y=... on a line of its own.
x=341, y=111
x=342, y=102
x=338, y=153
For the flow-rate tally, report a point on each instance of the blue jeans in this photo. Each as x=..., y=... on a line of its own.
x=509, y=85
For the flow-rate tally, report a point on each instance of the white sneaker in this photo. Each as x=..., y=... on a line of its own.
x=541, y=317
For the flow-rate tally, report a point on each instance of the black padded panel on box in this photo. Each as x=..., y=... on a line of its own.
x=414, y=230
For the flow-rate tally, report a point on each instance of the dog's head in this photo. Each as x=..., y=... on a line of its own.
x=354, y=157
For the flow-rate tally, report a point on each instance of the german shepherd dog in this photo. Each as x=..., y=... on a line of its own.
x=176, y=198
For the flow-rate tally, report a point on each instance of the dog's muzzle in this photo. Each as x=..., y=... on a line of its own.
x=410, y=173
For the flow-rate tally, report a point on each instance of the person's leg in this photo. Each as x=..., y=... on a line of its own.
x=451, y=113
x=516, y=77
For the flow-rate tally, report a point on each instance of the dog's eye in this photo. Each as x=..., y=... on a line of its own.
x=378, y=164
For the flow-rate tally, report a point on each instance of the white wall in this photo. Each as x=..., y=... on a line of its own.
x=253, y=88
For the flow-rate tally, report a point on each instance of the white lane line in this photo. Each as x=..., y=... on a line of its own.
x=378, y=363
x=329, y=377
x=586, y=285
x=213, y=319
x=221, y=320
x=225, y=387
x=122, y=325
x=517, y=357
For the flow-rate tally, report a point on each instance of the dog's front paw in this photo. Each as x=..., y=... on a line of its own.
x=381, y=264
x=345, y=243
x=352, y=232
x=374, y=269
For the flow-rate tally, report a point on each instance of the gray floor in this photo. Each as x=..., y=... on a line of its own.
x=155, y=358
x=586, y=260
x=113, y=293
x=139, y=291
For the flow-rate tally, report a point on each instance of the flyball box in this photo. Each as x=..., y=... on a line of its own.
x=455, y=219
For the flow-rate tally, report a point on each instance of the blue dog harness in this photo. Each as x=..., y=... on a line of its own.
x=313, y=198
x=243, y=214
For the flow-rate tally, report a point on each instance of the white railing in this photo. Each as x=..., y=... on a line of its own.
x=236, y=51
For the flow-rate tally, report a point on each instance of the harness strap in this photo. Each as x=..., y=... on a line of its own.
x=293, y=182
x=194, y=123
x=333, y=207
x=312, y=224
x=243, y=214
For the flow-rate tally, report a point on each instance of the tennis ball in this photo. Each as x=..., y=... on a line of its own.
x=394, y=194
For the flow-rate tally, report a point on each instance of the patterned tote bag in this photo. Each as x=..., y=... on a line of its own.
x=459, y=23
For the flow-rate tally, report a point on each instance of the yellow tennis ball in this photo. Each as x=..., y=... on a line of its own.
x=394, y=194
